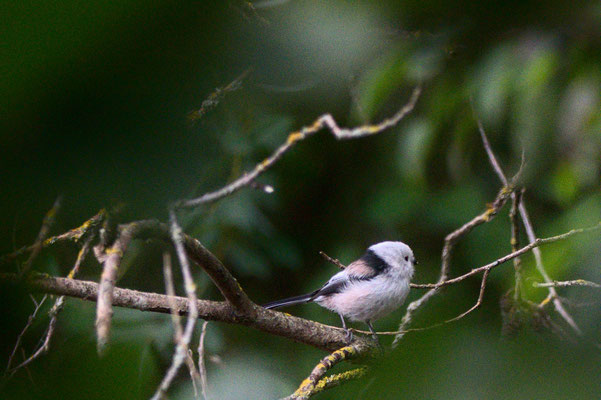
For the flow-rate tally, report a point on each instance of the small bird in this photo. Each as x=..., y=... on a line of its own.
x=369, y=288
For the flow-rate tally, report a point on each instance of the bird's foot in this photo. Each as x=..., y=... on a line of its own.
x=349, y=336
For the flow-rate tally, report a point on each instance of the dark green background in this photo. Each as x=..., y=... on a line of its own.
x=94, y=103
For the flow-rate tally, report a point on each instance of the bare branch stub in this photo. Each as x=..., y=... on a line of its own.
x=111, y=259
x=334, y=261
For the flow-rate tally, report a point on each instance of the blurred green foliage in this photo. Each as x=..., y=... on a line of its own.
x=94, y=104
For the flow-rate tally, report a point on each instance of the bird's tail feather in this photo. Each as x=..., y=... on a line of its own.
x=305, y=298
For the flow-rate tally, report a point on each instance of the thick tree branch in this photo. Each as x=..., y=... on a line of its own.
x=312, y=333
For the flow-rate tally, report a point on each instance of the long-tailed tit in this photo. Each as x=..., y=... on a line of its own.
x=369, y=288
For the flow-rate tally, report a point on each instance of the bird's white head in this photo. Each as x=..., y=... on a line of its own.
x=396, y=254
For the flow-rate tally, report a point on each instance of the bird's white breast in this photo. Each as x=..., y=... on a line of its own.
x=368, y=300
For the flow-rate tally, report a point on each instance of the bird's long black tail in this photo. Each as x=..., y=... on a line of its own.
x=290, y=301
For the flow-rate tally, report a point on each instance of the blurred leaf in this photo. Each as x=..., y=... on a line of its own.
x=380, y=81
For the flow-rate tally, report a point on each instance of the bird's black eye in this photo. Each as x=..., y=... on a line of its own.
x=406, y=258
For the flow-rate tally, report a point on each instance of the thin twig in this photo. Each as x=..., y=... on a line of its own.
x=486, y=269
x=177, y=327
x=73, y=235
x=181, y=351
x=58, y=306
x=478, y=302
x=334, y=261
x=515, y=241
x=538, y=242
x=214, y=98
x=202, y=368
x=577, y=282
x=37, y=246
x=531, y=235
x=557, y=303
x=450, y=241
x=30, y=320
x=80, y=232
x=325, y=121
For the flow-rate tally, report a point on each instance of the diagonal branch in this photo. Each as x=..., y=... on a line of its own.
x=308, y=386
x=486, y=269
x=178, y=334
x=181, y=352
x=334, y=380
x=37, y=246
x=325, y=121
x=152, y=229
x=202, y=369
x=214, y=98
x=538, y=242
x=74, y=235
